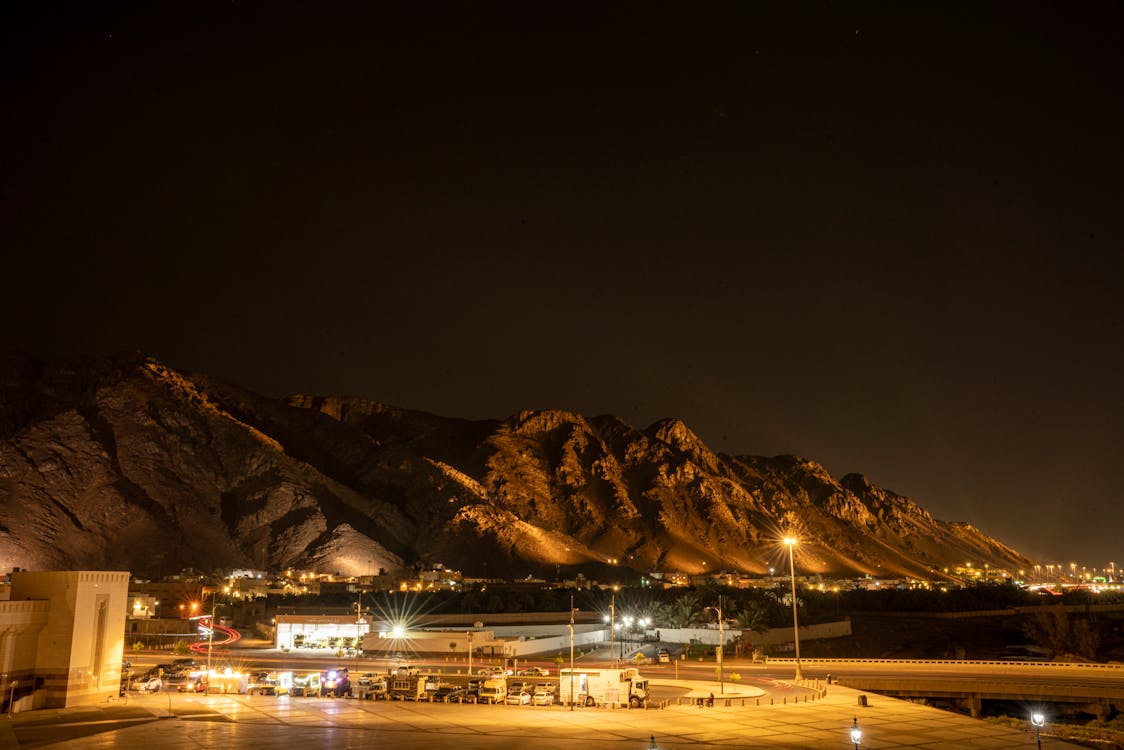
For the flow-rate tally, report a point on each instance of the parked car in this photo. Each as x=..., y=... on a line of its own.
x=148, y=685
x=490, y=672
x=174, y=679
x=521, y=698
x=184, y=663
x=196, y=683
x=535, y=672
x=449, y=693
x=544, y=695
x=472, y=692
x=664, y=656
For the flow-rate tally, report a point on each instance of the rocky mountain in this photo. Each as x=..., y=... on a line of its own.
x=127, y=463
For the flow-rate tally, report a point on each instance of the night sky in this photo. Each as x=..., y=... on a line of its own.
x=886, y=238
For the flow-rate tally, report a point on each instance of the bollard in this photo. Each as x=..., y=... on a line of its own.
x=862, y=701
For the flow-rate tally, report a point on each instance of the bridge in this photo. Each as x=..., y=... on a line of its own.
x=1092, y=688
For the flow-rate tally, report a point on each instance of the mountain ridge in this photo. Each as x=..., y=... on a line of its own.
x=127, y=461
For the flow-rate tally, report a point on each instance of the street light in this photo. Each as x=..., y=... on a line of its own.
x=469, y=636
x=856, y=733
x=790, y=541
x=572, y=611
x=358, y=628
x=721, y=643
x=211, y=637
x=1039, y=721
x=613, y=623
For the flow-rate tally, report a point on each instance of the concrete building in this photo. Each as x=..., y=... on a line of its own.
x=62, y=637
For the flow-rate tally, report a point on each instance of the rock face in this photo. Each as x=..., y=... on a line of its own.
x=126, y=463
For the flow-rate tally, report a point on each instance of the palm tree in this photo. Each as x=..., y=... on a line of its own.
x=682, y=611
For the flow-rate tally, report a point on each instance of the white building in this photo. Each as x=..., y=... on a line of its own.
x=62, y=637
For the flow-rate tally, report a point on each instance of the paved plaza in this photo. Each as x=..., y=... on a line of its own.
x=187, y=722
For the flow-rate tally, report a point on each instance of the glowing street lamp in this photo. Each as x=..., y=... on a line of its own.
x=1039, y=721
x=856, y=733
x=790, y=542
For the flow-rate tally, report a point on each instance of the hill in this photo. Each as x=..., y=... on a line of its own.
x=125, y=462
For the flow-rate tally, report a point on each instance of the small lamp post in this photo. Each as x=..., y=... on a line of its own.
x=1038, y=720
x=790, y=542
x=856, y=733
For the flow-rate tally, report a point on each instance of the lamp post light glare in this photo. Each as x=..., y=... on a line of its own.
x=856, y=733
x=1039, y=721
x=790, y=542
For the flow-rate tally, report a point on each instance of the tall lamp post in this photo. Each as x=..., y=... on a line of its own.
x=721, y=644
x=790, y=542
x=1039, y=721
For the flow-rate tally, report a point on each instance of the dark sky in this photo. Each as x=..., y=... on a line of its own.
x=885, y=237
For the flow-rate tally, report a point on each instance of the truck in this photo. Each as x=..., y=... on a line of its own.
x=602, y=687
x=493, y=691
x=335, y=683
x=411, y=687
x=370, y=686
x=306, y=685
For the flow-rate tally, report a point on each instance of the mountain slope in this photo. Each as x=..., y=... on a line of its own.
x=125, y=462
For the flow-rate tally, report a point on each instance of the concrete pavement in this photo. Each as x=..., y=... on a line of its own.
x=181, y=721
